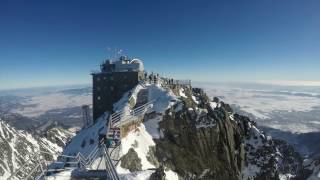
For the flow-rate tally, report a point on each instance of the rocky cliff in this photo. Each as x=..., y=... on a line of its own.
x=201, y=138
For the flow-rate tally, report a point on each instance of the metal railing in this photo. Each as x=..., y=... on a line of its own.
x=79, y=161
x=41, y=168
x=121, y=117
x=109, y=165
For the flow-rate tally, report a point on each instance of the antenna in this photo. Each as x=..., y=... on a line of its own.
x=116, y=52
x=109, y=49
x=119, y=52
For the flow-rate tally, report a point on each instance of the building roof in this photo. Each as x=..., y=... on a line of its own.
x=122, y=65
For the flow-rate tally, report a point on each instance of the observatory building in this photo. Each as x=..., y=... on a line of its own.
x=112, y=81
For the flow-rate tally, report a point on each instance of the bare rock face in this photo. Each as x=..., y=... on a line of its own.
x=131, y=161
x=312, y=168
x=200, y=142
x=159, y=174
x=204, y=139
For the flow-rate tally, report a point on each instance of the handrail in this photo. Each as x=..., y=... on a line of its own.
x=109, y=164
x=119, y=113
x=78, y=159
x=85, y=161
x=26, y=163
x=118, y=116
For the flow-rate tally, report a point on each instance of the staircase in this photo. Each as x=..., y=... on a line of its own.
x=81, y=164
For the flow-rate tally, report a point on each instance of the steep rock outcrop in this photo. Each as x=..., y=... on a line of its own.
x=199, y=141
x=131, y=161
x=204, y=139
x=194, y=137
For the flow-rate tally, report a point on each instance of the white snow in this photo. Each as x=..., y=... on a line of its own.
x=171, y=175
x=195, y=99
x=136, y=175
x=163, y=99
x=181, y=93
x=140, y=139
x=31, y=146
x=143, y=140
x=251, y=170
x=123, y=103
x=84, y=137
x=64, y=175
x=152, y=126
x=213, y=105
x=98, y=164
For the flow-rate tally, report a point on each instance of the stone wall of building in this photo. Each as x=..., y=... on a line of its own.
x=108, y=88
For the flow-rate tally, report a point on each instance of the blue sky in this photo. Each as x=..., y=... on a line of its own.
x=59, y=42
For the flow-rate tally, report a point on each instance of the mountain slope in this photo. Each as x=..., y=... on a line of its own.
x=191, y=136
x=199, y=138
x=17, y=147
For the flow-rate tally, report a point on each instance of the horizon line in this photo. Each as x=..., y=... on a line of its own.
x=263, y=82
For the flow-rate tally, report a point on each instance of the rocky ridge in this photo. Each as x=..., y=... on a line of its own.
x=18, y=147
x=201, y=138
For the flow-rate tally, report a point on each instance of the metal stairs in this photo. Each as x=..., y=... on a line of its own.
x=81, y=165
x=79, y=162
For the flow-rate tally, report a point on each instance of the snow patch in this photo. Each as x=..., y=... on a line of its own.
x=143, y=140
x=195, y=99
x=181, y=93
x=82, y=142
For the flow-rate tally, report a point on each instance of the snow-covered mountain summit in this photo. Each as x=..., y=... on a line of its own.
x=186, y=134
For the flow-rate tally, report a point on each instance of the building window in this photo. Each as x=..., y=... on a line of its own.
x=111, y=78
x=111, y=88
x=104, y=78
x=98, y=79
x=99, y=98
x=98, y=88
